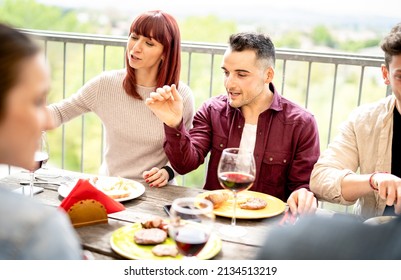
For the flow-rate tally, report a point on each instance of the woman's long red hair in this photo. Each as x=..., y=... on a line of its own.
x=164, y=29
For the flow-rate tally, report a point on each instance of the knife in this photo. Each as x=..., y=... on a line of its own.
x=24, y=183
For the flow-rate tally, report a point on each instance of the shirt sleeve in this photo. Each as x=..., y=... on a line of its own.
x=185, y=149
x=338, y=160
x=306, y=154
x=77, y=104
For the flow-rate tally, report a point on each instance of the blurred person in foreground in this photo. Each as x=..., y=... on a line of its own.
x=134, y=135
x=341, y=237
x=28, y=230
x=369, y=141
x=253, y=115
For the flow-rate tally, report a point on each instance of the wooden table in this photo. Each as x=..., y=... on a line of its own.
x=96, y=238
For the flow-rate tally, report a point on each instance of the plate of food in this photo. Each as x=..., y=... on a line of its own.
x=139, y=241
x=120, y=189
x=250, y=204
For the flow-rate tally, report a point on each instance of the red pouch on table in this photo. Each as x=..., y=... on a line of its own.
x=87, y=205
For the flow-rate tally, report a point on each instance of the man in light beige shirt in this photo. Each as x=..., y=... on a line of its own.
x=368, y=142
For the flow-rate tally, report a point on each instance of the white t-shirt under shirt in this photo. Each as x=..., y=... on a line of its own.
x=248, y=137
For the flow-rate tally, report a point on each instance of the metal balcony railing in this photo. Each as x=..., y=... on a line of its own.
x=330, y=85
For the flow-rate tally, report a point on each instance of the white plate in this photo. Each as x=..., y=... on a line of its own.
x=46, y=174
x=104, y=181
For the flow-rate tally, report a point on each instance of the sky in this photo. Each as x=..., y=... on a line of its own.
x=389, y=8
x=276, y=17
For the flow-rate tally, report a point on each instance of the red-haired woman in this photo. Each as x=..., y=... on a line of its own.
x=134, y=135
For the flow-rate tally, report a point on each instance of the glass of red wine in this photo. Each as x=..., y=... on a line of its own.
x=41, y=158
x=191, y=224
x=236, y=172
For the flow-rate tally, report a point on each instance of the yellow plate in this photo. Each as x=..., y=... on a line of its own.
x=122, y=242
x=274, y=206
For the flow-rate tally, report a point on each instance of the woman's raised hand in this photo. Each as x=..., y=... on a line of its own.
x=166, y=103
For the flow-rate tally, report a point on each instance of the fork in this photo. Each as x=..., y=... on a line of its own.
x=288, y=218
x=65, y=180
x=68, y=178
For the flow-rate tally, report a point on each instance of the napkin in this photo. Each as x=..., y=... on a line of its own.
x=86, y=205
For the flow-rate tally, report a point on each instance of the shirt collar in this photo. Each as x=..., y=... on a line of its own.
x=276, y=103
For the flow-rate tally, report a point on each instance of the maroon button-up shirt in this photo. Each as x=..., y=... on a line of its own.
x=286, y=148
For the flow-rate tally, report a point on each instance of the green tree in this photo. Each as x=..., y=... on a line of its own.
x=31, y=15
x=289, y=40
x=321, y=36
x=355, y=46
x=207, y=29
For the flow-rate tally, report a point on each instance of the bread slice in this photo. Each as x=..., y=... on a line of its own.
x=118, y=193
x=217, y=198
x=150, y=236
x=163, y=250
x=253, y=203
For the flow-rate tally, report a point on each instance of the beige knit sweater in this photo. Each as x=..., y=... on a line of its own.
x=134, y=136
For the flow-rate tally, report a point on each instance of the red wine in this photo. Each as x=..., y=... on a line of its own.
x=236, y=181
x=40, y=159
x=190, y=241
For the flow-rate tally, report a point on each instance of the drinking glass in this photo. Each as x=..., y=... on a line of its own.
x=41, y=157
x=45, y=173
x=191, y=223
x=42, y=154
x=236, y=172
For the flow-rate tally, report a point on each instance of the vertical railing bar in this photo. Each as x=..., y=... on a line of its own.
x=283, y=79
x=189, y=68
x=124, y=56
x=211, y=76
x=332, y=103
x=104, y=58
x=102, y=127
x=83, y=116
x=361, y=85
x=189, y=84
x=64, y=96
x=45, y=50
x=308, y=84
x=45, y=54
x=210, y=95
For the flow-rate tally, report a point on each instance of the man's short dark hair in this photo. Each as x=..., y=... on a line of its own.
x=391, y=44
x=258, y=42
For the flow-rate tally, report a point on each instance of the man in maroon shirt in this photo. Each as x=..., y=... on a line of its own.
x=282, y=135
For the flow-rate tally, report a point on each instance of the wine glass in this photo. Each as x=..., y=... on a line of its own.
x=42, y=154
x=191, y=223
x=236, y=172
x=41, y=157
